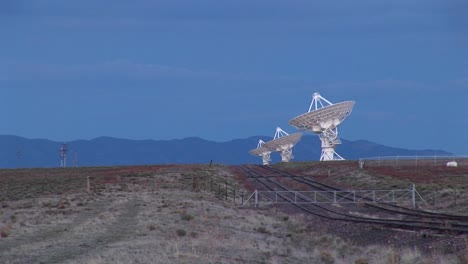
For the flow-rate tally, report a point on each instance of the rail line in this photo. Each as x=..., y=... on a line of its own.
x=382, y=206
x=420, y=222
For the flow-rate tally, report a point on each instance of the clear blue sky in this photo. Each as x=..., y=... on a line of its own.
x=219, y=69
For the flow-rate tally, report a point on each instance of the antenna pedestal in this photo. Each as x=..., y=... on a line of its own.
x=329, y=140
x=286, y=154
x=266, y=158
x=329, y=153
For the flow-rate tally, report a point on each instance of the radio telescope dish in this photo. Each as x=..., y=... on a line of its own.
x=284, y=143
x=323, y=118
x=262, y=151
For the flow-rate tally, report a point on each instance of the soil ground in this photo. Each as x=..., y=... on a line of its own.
x=161, y=214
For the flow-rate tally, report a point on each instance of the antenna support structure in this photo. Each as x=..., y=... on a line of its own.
x=329, y=135
x=282, y=142
x=262, y=152
x=323, y=118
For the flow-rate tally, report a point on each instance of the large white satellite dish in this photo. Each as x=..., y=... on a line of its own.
x=284, y=143
x=262, y=151
x=323, y=118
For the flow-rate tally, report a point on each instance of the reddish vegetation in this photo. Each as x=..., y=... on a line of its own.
x=26, y=183
x=436, y=174
x=416, y=174
x=240, y=176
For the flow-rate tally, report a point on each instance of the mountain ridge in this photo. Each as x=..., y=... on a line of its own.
x=18, y=152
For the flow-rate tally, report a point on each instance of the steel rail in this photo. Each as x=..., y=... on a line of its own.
x=399, y=209
x=407, y=224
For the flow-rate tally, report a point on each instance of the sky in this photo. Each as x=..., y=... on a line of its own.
x=225, y=69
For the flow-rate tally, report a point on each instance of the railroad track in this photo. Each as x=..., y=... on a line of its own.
x=388, y=207
x=420, y=220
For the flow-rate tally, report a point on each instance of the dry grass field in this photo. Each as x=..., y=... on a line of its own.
x=160, y=214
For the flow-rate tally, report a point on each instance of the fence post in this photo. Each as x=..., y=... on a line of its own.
x=242, y=197
x=225, y=184
x=256, y=198
x=88, y=185
x=413, y=196
x=455, y=196
x=334, y=196
x=361, y=164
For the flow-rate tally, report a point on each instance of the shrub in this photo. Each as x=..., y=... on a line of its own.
x=326, y=258
x=463, y=256
x=263, y=230
x=181, y=232
x=186, y=217
x=5, y=231
x=361, y=261
x=152, y=227
x=394, y=258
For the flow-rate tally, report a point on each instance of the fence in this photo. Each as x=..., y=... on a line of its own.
x=333, y=197
x=148, y=183
x=412, y=161
x=221, y=188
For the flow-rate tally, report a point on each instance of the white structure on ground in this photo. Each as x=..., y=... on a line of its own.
x=452, y=164
x=283, y=142
x=262, y=152
x=323, y=118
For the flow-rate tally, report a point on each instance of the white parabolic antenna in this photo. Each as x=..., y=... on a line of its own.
x=284, y=143
x=262, y=151
x=323, y=118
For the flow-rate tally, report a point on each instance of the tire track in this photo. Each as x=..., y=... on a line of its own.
x=49, y=233
x=118, y=230
x=75, y=243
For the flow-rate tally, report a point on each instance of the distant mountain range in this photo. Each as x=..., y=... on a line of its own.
x=19, y=152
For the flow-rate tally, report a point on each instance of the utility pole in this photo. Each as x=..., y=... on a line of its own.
x=19, y=153
x=19, y=157
x=75, y=159
x=63, y=155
